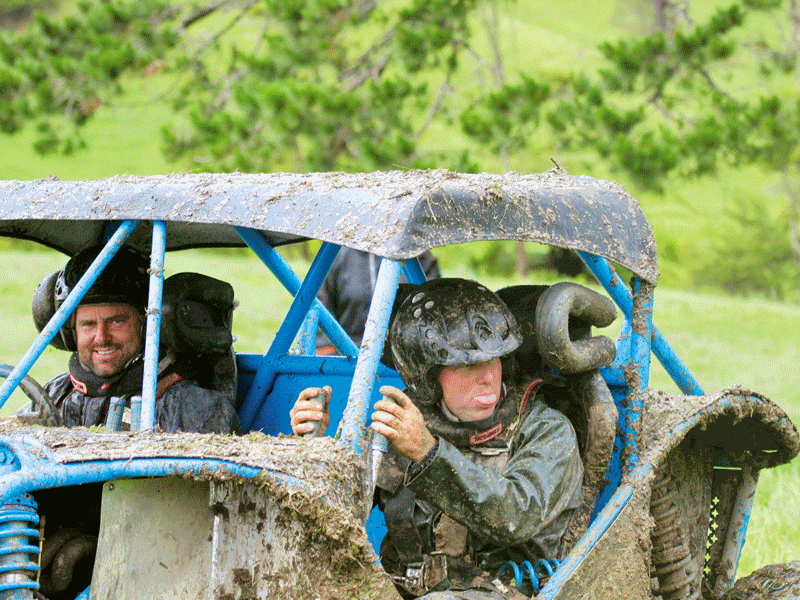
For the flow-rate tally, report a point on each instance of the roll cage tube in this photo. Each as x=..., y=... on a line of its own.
x=153, y=325
x=665, y=354
x=364, y=375
x=153, y=334
x=380, y=310
x=303, y=300
x=276, y=263
x=304, y=292
x=638, y=338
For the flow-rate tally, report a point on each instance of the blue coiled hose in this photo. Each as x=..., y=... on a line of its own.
x=543, y=568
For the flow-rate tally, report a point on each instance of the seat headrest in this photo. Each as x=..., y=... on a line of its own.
x=197, y=313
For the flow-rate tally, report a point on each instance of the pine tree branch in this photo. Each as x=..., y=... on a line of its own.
x=203, y=13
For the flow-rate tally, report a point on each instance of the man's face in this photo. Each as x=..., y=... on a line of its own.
x=108, y=335
x=471, y=392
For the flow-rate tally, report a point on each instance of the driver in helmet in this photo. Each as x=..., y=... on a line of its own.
x=106, y=335
x=479, y=471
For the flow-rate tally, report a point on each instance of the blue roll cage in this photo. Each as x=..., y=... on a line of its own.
x=261, y=408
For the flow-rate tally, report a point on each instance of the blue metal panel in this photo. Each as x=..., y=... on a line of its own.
x=150, y=378
x=308, y=365
x=376, y=529
x=297, y=372
x=355, y=415
x=65, y=310
x=273, y=418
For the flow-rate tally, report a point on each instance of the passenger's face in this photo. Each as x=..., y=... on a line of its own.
x=108, y=336
x=471, y=392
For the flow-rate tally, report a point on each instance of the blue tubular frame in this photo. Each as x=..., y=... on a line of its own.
x=65, y=310
x=413, y=271
x=637, y=340
x=35, y=458
x=305, y=297
x=640, y=360
x=307, y=336
x=150, y=379
x=355, y=414
x=283, y=272
x=634, y=347
x=666, y=355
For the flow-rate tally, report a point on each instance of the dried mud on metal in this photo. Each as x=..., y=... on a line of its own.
x=326, y=499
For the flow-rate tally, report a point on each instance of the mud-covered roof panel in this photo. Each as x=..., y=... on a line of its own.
x=394, y=214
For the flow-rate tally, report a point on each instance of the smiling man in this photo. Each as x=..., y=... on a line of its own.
x=106, y=334
x=108, y=337
x=480, y=471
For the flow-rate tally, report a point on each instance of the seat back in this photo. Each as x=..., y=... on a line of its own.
x=557, y=346
x=196, y=326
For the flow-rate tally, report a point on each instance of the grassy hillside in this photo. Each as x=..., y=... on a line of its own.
x=723, y=341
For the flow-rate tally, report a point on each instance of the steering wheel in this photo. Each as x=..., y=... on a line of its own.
x=38, y=396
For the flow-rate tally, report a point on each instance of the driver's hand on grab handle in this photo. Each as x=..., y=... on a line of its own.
x=307, y=411
x=402, y=424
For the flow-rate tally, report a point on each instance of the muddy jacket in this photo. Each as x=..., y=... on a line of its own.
x=508, y=497
x=181, y=405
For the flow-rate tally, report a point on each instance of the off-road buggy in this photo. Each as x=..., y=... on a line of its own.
x=669, y=478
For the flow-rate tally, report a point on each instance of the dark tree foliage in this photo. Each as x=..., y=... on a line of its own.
x=685, y=103
x=310, y=98
x=324, y=84
x=656, y=106
x=60, y=70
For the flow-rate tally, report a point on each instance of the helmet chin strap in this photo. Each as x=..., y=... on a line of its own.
x=446, y=411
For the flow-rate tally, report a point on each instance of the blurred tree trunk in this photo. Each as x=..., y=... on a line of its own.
x=794, y=216
x=659, y=7
x=522, y=265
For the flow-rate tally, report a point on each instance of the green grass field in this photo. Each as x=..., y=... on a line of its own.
x=724, y=341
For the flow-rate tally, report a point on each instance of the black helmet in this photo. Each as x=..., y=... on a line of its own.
x=123, y=281
x=448, y=322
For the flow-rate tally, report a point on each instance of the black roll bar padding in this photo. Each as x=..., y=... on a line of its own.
x=601, y=413
x=591, y=389
x=567, y=356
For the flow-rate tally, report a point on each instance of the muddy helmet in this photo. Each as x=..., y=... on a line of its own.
x=123, y=281
x=449, y=322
